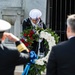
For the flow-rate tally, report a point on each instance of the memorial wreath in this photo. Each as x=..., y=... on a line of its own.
x=51, y=39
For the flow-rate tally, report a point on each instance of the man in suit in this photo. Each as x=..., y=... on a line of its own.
x=62, y=57
x=10, y=57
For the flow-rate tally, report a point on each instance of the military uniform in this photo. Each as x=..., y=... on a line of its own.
x=27, y=24
x=9, y=57
x=34, y=15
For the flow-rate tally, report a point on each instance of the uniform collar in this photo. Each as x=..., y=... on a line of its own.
x=71, y=37
x=34, y=25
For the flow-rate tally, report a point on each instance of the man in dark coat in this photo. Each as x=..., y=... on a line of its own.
x=10, y=57
x=34, y=20
x=62, y=57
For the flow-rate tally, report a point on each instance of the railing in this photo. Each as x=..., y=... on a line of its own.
x=57, y=13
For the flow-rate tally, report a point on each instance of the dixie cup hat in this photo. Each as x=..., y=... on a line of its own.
x=4, y=25
x=35, y=13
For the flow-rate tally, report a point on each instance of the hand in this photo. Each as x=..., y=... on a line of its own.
x=10, y=36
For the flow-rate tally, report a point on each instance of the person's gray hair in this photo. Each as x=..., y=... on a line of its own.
x=71, y=22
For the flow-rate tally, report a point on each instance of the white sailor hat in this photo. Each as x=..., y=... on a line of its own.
x=4, y=25
x=35, y=13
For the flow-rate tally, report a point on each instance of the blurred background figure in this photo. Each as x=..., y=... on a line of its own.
x=34, y=20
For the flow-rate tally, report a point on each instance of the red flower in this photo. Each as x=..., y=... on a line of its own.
x=25, y=34
x=31, y=32
x=26, y=44
x=31, y=38
x=22, y=40
x=29, y=35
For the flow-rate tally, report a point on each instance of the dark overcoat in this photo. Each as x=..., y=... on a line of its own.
x=62, y=59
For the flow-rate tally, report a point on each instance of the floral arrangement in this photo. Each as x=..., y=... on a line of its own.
x=28, y=37
x=51, y=38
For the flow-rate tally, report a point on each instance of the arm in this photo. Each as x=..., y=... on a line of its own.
x=21, y=55
x=26, y=24
x=20, y=46
x=51, y=65
x=44, y=26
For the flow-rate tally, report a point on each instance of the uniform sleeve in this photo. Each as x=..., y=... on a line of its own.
x=23, y=54
x=51, y=65
x=44, y=26
x=22, y=59
x=21, y=47
x=24, y=25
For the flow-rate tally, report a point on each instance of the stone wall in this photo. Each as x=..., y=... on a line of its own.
x=11, y=11
x=10, y=3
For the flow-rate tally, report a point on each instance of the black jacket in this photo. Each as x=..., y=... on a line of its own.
x=27, y=24
x=62, y=59
x=9, y=58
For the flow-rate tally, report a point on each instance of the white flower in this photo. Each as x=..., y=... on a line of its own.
x=25, y=39
x=37, y=32
x=42, y=34
x=39, y=62
x=51, y=42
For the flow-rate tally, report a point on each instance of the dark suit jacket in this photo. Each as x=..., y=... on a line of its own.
x=9, y=58
x=62, y=59
x=27, y=24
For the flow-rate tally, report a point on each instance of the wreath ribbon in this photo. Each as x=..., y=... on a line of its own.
x=33, y=57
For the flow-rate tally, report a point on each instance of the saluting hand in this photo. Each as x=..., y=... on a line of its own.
x=10, y=36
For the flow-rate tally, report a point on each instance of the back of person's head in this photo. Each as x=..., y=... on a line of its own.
x=4, y=25
x=35, y=14
x=71, y=22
